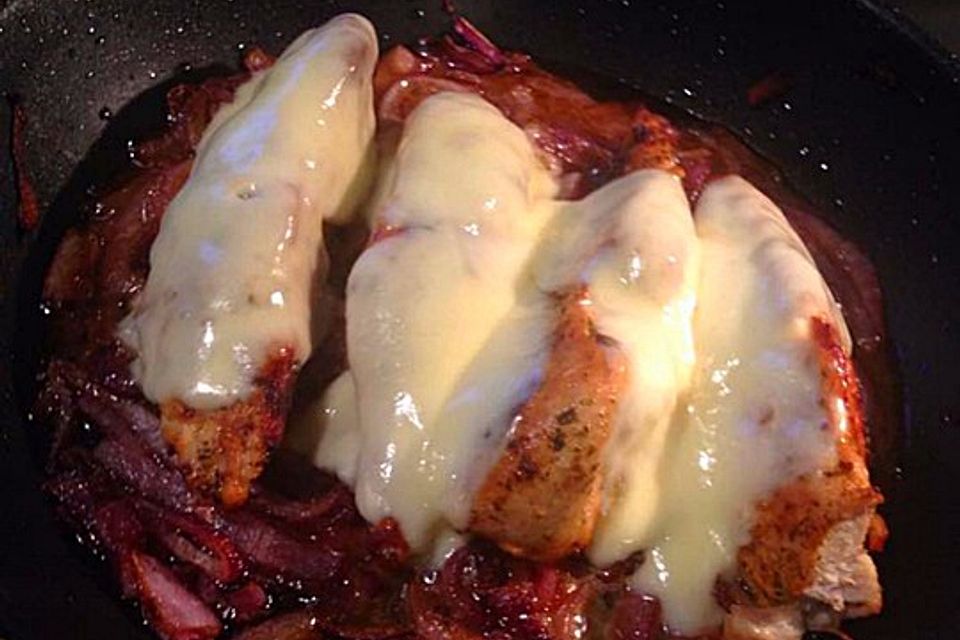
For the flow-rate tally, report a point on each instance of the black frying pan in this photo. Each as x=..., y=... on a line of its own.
x=869, y=129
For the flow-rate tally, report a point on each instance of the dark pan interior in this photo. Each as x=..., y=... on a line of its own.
x=868, y=129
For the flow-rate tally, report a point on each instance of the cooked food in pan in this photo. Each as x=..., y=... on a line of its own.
x=439, y=346
x=224, y=317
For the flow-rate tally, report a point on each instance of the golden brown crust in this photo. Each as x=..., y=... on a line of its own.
x=780, y=562
x=542, y=498
x=223, y=451
x=656, y=145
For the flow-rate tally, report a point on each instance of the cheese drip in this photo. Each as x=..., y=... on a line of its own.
x=242, y=243
x=752, y=420
x=446, y=331
x=633, y=244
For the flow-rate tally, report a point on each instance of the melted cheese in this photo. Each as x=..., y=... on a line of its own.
x=640, y=260
x=752, y=419
x=446, y=330
x=449, y=319
x=239, y=247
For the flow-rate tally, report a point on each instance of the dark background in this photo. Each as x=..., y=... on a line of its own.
x=941, y=18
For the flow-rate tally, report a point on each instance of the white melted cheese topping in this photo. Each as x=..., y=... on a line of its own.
x=446, y=331
x=449, y=321
x=240, y=246
x=636, y=240
x=753, y=417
